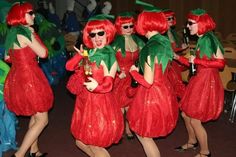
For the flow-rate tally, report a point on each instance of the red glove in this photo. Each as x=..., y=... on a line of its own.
x=216, y=63
x=72, y=64
x=140, y=79
x=183, y=60
x=175, y=48
x=41, y=43
x=105, y=86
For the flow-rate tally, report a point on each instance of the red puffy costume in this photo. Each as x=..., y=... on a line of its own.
x=122, y=85
x=154, y=111
x=26, y=89
x=96, y=120
x=204, y=94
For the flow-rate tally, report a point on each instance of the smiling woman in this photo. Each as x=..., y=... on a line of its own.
x=98, y=38
x=94, y=133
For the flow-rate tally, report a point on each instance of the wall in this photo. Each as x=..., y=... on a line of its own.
x=223, y=11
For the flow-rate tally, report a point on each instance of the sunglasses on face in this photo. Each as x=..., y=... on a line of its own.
x=190, y=23
x=170, y=18
x=92, y=35
x=130, y=26
x=30, y=13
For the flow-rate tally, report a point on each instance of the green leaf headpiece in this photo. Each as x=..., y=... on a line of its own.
x=148, y=7
x=198, y=12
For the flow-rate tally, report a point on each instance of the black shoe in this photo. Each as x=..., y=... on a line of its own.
x=205, y=155
x=189, y=146
x=35, y=155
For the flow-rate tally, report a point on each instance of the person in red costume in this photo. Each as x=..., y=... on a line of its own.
x=175, y=68
x=26, y=91
x=154, y=111
x=127, y=46
x=97, y=121
x=204, y=96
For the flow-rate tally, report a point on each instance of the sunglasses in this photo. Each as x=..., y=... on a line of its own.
x=190, y=23
x=92, y=35
x=130, y=26
x=30, y=12
x=170, y=18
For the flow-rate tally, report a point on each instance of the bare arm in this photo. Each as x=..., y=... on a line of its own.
x=37, y=46
x=112, y=71
x=148, y=71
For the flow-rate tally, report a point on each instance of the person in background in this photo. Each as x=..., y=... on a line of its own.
x=175, y=68
x=26, y=90
x=154, y=111
x=204, y=96
x=97, y=121
x=8, y=120
x=127, y=46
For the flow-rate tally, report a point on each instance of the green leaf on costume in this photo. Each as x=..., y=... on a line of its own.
x=106, y=54
x=119, y=43
x=208, y=45
x=11, y=37
x=157, y=46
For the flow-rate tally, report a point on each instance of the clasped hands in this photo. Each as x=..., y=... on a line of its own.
x=191, y=57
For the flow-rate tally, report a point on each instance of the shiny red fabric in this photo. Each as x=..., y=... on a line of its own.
x=175, y=78
x=140, y=79
x=204, y=96
x=97, y=120
x=122, y=85
x=73, y=63
x=26, y=89
x=75, y=82
x=105, y=86
x=154, y=111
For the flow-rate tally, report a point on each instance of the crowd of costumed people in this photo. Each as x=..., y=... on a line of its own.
x=124, y=71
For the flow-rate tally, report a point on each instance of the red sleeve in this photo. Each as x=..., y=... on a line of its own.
x=216, y=63
x=140, y=79
x=73, y=63
x=183, y=60
x=105, y=86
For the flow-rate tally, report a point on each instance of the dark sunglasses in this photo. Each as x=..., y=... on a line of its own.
x=190, y=23
x=92, y=35
x=130, y=26
x=170, y=18
x=30, y=13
